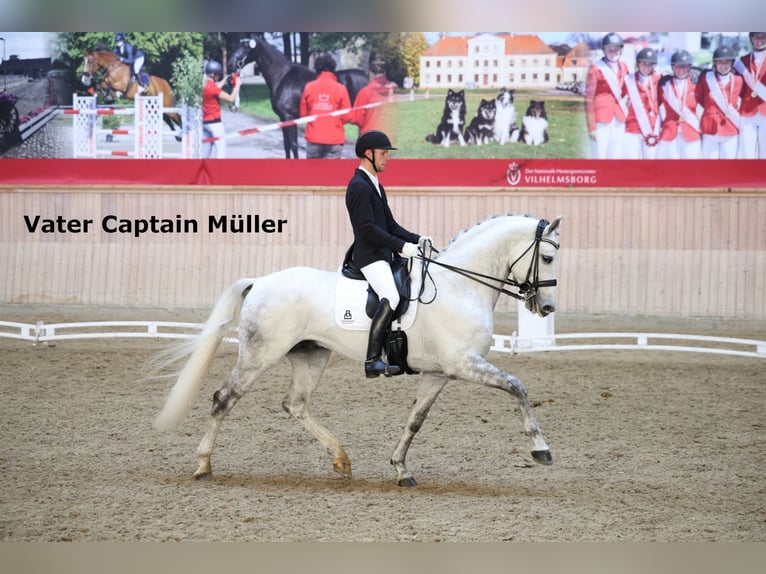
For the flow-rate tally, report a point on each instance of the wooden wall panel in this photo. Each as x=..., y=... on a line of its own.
x=664, y=252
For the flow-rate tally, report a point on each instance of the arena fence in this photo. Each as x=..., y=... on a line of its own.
x=518, y=342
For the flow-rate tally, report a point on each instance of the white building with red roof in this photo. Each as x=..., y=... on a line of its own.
x=519, y=61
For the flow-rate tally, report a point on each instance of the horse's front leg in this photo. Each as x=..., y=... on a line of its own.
x=308, y=362
x=477, y=369
x=428, y=389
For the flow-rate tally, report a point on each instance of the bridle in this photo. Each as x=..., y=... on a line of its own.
x=248, y=43
x=526, y=289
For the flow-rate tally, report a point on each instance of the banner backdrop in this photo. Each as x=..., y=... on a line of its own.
x=507, y=110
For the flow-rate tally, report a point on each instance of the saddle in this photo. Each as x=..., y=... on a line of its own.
x=396, y=340
x=401, y=272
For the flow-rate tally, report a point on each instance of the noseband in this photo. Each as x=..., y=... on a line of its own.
x=527, y=289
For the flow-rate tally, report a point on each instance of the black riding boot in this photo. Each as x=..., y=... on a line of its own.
x=381, y=321
x=141, y=86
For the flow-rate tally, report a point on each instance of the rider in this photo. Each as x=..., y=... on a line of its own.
x=377, y=237
x=131, y=56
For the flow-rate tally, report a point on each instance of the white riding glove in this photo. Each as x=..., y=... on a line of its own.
x=424, y=241
x=409, y=250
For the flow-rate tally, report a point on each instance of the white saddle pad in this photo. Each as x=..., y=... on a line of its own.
x=351, y=300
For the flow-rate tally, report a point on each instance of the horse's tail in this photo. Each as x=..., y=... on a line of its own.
x=201, y=351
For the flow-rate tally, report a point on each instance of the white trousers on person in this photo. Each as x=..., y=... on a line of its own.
x=609, y=137
x=634, y=147
x=719, y=147
x=216, y=149
x=138, y=63
x=679, y=148
x=752, y=137
x=381, y=279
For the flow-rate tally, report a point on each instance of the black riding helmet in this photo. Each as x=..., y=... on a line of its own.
x=373, y=140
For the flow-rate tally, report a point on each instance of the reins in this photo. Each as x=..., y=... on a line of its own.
x=527, y=289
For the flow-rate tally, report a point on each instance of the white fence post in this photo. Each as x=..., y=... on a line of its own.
x=535, y=331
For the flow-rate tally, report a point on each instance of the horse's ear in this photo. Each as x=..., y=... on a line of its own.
x=553, y=225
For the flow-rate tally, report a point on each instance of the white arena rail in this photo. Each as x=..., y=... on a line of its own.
x=41, y=332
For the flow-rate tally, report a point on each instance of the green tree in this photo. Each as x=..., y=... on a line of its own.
x=413, y=46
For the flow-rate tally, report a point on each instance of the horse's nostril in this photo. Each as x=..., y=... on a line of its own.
x=548, y=309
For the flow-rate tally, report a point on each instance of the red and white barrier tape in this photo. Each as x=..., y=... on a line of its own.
x=288, y=123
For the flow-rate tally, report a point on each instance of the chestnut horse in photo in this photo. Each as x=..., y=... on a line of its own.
x=118, y=79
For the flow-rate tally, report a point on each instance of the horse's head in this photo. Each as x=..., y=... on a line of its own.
x=536, y=269
x=244, y=54
x=89, y=67
x=94, y=60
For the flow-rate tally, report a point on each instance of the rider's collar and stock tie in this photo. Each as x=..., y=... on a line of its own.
x=527, y=289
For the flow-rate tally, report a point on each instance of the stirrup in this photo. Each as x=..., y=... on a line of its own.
x=375, y=367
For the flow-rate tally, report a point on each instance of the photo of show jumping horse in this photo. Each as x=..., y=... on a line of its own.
x=118, y=81
x=286, y=80
x=291, y=313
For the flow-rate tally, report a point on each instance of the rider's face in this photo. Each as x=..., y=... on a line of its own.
x=681, y=71
x=645, y=68
x=381, y=158
x=759, y=41
x=612, y=53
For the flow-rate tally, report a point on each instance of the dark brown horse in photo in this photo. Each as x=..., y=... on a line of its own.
x=118, y=79
x=285, y=80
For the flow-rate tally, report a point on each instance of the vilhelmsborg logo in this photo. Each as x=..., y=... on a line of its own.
x=513, y=173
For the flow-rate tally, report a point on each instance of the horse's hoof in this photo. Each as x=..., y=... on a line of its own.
x=409, y=482
x=203, y=475
x=542, y=457
x=179, y=138
x=342, y=466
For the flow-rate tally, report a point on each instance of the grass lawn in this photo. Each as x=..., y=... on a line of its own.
x=413, y=120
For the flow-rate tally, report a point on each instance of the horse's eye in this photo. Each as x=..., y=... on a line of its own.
x=547, y=258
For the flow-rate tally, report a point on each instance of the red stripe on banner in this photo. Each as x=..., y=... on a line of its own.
x=492, y=173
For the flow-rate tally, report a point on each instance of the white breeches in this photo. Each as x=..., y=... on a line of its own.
x=752, y=137
x=634, y=147
x=719, y=147
x=381, y=279
x=609, y=139
x=679, y=148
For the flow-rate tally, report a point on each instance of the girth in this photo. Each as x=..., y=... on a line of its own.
x=401, y=272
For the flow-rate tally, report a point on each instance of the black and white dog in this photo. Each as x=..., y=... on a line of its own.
x=452, y=123
x=482, y=126
x=506, y=129
x=534, y=126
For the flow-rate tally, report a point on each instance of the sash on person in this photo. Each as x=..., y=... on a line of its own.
x=651, y=137
x=753, y=83
x=611, y=78
x=720, y=99
x=684, y=113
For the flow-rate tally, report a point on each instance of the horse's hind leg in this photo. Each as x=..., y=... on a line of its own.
x=479, y=370
x=308, y=361
x=249, y=367
x=428, y=389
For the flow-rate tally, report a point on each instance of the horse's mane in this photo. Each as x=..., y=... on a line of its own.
x=460, y=234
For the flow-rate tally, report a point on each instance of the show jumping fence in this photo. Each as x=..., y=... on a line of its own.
x=148, y=131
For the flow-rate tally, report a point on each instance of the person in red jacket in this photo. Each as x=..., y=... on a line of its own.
x=378, y=91
x=212, y=94
x=718, y=92
x=680, y=137
x=642, y=127
x=752, y=130
x=604, y=106
x=325, y=136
